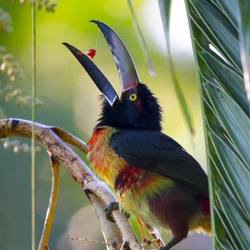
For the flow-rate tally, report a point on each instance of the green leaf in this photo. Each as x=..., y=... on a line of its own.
x=229, y=7
x=225, y=26
x=220, y=33
x=165, y=6
x=143, y=42
x=234, y=174
x=233, y=120
x=227, y=78
x=244, y=37
x=237, y=226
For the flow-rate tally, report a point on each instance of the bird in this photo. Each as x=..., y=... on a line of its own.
x=154, y=177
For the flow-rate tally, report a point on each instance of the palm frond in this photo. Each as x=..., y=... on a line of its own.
x=220, y=32
x=218, y=53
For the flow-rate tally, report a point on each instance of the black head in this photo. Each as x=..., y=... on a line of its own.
x=137, y=108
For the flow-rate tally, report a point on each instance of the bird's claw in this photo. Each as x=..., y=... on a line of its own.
x=108, y=210
x=110, y=207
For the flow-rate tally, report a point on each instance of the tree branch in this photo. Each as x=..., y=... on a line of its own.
x=54, y=141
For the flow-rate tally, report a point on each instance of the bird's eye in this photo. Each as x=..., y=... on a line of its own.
x=133, y=97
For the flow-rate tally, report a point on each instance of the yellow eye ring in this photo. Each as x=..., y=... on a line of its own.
x=133, y=97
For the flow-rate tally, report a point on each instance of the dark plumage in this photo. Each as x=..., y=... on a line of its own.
x=144, y=113
x=157, y=152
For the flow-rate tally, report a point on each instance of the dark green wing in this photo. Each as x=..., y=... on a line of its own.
x=160, y=153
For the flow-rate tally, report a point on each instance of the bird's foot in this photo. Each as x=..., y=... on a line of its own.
x=113, y=206
x=172, y=243
x=108, y=210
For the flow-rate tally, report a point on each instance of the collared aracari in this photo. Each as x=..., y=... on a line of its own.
x=154, y=177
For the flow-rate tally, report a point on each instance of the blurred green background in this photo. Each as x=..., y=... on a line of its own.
x=71, y=102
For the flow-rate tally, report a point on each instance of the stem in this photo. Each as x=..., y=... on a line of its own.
x=33, y=153
x=55, y=167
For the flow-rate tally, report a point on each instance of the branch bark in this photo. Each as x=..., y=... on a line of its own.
x=54, y=140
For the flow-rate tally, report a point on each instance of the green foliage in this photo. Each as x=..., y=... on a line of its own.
x=219, y=33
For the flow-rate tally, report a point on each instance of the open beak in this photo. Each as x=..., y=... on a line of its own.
x=126, y=68
x=96, y=75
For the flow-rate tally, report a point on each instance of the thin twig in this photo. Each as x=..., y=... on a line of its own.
x=114, y=244
x=44, y=241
